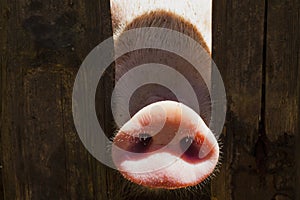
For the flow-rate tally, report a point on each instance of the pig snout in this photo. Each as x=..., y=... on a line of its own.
x=165, y=145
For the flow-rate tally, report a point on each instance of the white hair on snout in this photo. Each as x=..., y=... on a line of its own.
x=196, y=12
x=186, y=46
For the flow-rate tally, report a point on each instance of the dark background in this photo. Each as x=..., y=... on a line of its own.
x=255, y=46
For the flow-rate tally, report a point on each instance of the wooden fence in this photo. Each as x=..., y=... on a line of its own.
x=255, y=46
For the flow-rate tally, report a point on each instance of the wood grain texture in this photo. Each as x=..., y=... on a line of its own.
x=256, y=47
x=43, y=44
x=282, y=79
x=297, y=149
x=281, y=67
x=238, y=29
x=3, y=60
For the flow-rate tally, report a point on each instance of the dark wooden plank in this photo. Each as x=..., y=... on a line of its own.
x=259, y=159
x=87, y=178
x=42, y=141
x=282, y=79
x=3, y=60
x=238, y=28
x=282, y=67
x=297, y=149
x=43, y=45
x=12, y=114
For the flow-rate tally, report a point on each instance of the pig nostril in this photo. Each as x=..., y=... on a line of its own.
x=190, y=149
x=141, y=143
x=185, y=143
x=145, y=138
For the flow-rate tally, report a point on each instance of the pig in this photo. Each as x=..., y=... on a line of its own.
x=165, y=144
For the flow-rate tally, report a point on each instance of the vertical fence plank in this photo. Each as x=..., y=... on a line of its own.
x=297, y=149
x=238, y=29
x=3, y=60
x=282, y=78
x=43, y=44
x=281, y=67
x=259, y=154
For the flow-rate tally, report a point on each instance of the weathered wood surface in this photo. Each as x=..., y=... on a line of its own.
x=297, y=150
x=42, y=46
x=282, y=78
x=256, y=47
